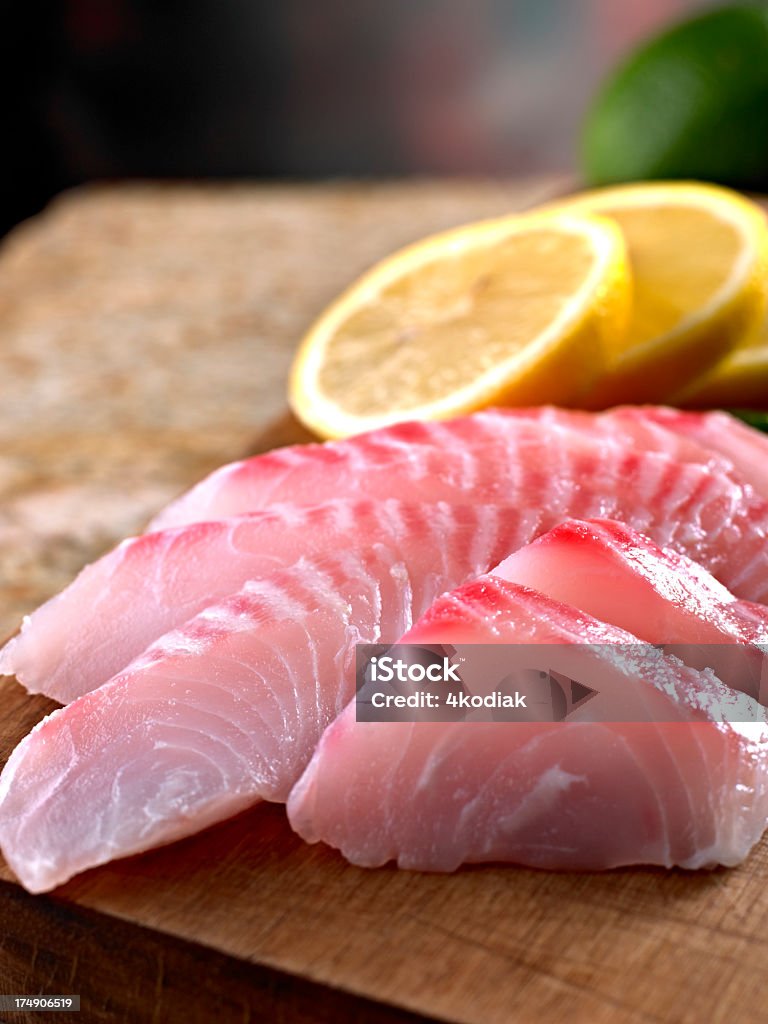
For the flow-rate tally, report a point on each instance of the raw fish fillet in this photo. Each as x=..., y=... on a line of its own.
x=150, y=584
x=614, y=573
x=689, y=790
x=744, y=446
x=214, y=717
x=716, y=439
x=491, y=456
x=227, y=709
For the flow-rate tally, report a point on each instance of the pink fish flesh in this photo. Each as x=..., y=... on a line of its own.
x=214, y=717
x=491, y=456
x=690, y=790
x=616, y=574
x=227, y=710
x=148, y=585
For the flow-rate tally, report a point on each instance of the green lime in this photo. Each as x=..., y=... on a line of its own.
x=691, y=103
x=759, y=420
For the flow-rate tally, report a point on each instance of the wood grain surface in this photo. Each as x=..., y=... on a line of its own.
x=145, y=335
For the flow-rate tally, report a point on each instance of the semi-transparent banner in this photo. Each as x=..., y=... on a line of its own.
x=561, y=682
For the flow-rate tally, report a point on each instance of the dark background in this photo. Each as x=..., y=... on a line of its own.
x=104, y=89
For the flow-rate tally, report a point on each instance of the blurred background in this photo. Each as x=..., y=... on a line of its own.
x=109, y=89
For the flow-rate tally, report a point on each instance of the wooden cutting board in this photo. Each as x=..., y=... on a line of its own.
x=145, y=335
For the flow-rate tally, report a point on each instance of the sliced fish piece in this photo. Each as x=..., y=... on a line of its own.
x=148, y=585
x=688, y=790
x=227, y=709
x=716, y=439
x=214, y=717
x=492, y=456
x=719, y=432
x=618, y=575
x=463, y=460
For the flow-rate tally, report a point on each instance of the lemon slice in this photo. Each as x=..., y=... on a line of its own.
x=699, y=259
x=517, y=310
x=738, y=382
